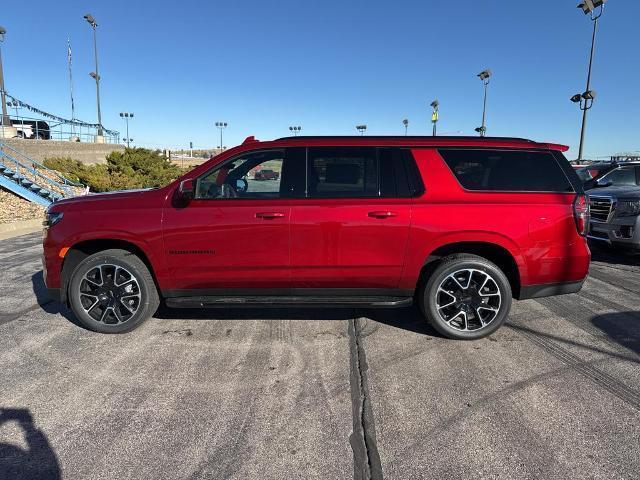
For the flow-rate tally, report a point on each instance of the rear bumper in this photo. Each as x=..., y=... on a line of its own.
x=550, y=289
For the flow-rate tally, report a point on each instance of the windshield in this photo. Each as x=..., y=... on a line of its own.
x=621, y=177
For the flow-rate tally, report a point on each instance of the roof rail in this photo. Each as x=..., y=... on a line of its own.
x=405, y=137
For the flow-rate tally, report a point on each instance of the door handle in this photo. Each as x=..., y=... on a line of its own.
x=382, y=214
x=269, y=215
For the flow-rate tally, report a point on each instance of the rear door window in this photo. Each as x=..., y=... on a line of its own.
x=507, y=170
x=342, y=172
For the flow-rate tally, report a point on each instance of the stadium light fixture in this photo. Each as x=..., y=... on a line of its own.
x=434, y=115
x=594, y=8
x=221, y=126
x=90, y=20
x=484, y=75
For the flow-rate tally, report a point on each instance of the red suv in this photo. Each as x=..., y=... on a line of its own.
x=459, y=225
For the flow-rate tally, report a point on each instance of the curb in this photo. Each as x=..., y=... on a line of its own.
x=14, y=229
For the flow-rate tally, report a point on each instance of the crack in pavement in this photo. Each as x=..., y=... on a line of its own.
x=366, y=460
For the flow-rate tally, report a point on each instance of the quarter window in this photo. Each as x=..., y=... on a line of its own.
x=506, y=170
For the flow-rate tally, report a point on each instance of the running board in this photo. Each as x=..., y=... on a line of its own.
x=288, y=301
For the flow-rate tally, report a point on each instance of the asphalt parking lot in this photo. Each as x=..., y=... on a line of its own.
x=328, y=394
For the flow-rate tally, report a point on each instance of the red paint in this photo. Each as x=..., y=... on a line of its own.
x=359, y=243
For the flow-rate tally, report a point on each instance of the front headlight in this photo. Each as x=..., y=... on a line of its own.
x=628, y=208
x=51, y=218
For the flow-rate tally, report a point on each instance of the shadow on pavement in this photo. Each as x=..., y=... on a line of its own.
x=621, y=327
x=604, y=254
x=47, y=304
x=37, y=461
x=404, y=318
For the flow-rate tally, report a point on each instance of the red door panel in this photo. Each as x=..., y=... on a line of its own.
x=226, y=243
x=348, y=243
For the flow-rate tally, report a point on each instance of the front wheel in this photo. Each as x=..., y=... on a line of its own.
x=466, y=297
x=112, y=292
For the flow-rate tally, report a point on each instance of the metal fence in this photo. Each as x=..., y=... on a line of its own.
x=44, y=129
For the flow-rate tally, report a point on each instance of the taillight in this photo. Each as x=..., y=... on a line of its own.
x=581, y=214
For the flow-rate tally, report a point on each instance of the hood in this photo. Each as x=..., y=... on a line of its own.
x=617, y=192
x=97, y=197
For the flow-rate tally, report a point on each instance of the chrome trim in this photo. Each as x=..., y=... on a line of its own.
x=610, y=200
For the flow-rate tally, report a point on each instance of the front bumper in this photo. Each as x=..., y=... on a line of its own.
x=55, y=294
x=618, y=231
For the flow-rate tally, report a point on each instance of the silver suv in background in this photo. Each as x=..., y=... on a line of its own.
x=615, y=206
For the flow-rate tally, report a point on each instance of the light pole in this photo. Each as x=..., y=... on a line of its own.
x=295, y=130
x=484, y=76
x=96, y=75
x=7, y=130
x=361, y=129
x=221, y=126
x=127, y=116
x=434, y=116
x=405, y=122
x=585, y=100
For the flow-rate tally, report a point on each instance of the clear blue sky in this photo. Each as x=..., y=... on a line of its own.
x=328, y=65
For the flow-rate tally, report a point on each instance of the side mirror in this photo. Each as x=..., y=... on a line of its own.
x=603, y=182
x=186, y=190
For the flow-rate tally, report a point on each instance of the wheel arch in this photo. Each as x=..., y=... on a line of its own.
x=81, y=250
x=493, y=252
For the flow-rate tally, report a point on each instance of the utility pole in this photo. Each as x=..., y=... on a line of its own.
x=96, y=75
x=484, y=76
x=7, y=130
x=73, y=107
x=585, y=100
x=127, y=116
x=221, y=126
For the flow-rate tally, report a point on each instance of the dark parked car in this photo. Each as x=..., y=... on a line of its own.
x=461, y=225
x=614, y=198
x=266, y=175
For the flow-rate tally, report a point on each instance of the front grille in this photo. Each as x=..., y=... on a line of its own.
x=600, y=208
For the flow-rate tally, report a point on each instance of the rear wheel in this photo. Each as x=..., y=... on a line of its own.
x=112, y=292
x=466, y=297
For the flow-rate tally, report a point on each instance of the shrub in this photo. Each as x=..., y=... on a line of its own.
x=133, y=168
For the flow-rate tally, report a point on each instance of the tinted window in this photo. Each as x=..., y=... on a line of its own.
x=621, y=177
x=237, y=178
x=507, y=170
x=342, y=172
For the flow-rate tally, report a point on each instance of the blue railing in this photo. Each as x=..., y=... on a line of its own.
x=32, y=170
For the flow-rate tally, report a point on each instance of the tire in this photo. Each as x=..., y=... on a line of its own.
x=466, y=313
x=102, y=283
